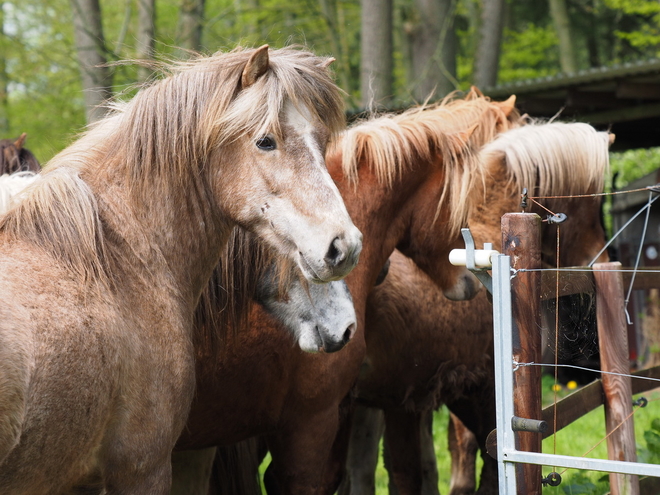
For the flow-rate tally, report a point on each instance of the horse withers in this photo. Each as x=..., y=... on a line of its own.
x=103, y=262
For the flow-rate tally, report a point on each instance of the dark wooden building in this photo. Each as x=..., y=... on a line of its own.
x=623, y=98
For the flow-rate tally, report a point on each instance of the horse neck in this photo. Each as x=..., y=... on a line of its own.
x=382, y=214
x=495, y=196
x=174, y=239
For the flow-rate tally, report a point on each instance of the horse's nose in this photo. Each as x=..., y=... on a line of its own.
x=348, y=334
x=343, y=251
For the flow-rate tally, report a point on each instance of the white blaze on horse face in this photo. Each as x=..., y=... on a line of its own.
x=303, y=206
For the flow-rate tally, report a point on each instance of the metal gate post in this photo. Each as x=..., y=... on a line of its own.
x=502, y=334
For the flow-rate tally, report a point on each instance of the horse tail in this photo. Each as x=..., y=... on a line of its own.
x=236, y=468
x=14, y=382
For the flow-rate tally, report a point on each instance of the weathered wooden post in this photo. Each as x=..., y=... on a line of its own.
x=613, y=344
x=521, y=240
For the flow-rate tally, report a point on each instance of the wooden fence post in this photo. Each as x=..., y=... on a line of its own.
x=613, y=344
x=521, y=240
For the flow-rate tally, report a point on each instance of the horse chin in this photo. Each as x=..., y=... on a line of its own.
x=466, y=287
x=309, y=340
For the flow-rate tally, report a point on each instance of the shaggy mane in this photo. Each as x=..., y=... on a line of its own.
x=391, y=144
x=553, y=158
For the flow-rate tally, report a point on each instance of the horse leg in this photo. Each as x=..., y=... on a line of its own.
x=300, y=452
x=191, y=471
x=403, y=443
x=236, y=469
x=367, y=428
x=463, y=450
x=477, y=412
x=429, y=460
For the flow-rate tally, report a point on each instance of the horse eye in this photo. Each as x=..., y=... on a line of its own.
x=266, y=143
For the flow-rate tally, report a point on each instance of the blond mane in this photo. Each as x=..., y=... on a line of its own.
x=453, y=128
x=157, y=144
x=553, y=158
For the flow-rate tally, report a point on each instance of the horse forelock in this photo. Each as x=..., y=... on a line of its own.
x=391, y=144
x=553, y=158
x=162, y=137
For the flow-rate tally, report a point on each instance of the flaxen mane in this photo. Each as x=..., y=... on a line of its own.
x=571, y=158
x=158, y=140
x=12, y=188
x=453, y=128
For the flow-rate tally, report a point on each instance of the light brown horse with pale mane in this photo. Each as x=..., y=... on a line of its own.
x=103, y=261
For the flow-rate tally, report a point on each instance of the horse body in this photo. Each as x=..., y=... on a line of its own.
x=392, y=173
x=422, y=351
x=104, y=261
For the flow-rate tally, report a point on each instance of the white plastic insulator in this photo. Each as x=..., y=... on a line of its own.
x=482, y=257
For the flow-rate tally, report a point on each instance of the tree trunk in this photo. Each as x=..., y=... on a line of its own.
x=4, y=82
x=433, y=48
x=90, y=45
x=562, y=24
x=376, y=63
x=145, y=35
x=329, y=12
x=189, y=29
x=487, y=56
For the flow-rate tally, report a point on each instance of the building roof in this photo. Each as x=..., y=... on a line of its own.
x=623, y=98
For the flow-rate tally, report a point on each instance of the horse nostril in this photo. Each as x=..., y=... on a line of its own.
x=348, y=334
x=335, y=254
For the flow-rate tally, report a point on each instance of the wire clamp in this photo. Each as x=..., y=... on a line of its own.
x=558, y=218
x=553, y=479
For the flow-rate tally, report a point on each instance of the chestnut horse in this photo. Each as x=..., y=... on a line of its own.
x=423, y=351
x=103, y=262
x=400, y=177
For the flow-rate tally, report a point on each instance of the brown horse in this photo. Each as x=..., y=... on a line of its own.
x=398, y=176
x=423, y=351
x=14, y=157
x=102, y=264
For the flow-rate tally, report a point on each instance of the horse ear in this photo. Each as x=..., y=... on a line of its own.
x=460, y=139
x=508, y=105
x=20, y=141
x=474, y=93
x=326, y=63
x=257, y=65
x=611, y=137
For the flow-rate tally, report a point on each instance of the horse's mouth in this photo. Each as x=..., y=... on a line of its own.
x=308, y=270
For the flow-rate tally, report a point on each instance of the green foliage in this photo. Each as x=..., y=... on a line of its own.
x=529, y=53
x=651, y=454
x=633, y=164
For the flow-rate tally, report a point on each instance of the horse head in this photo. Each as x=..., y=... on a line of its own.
x=15, y=158
x=280, y=186
x=321, y=317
